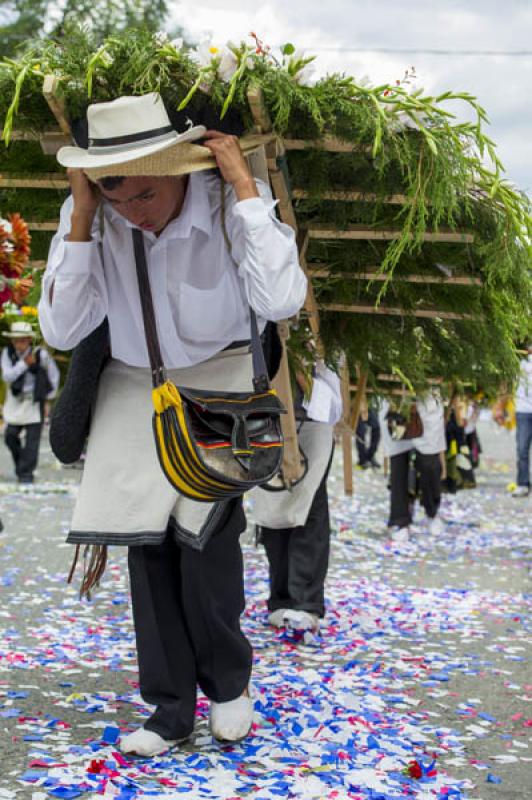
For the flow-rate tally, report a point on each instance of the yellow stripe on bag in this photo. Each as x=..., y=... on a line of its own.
x=169, y=469
x=197, y=478
x=202, y=476
x=167, y=397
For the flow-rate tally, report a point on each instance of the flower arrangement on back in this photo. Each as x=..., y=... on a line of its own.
x=14, y=254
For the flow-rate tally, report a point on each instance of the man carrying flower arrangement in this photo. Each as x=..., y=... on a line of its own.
x=215, y=254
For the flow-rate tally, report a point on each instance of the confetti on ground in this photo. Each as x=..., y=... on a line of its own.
x=388, y=701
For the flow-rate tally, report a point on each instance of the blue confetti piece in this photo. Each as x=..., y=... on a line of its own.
x=493, y=778
x=488, y=717
x=110, y=735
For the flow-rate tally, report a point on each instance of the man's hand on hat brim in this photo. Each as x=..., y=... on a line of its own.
x=231, y=163
x=87, y=198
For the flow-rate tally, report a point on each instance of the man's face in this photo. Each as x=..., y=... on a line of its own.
x=22, y=344
x=148, y=202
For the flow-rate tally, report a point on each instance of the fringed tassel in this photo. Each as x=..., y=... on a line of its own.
x=94, y=563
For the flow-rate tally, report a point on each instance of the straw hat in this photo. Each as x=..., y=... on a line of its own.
x=20, y=330
x=133, y=136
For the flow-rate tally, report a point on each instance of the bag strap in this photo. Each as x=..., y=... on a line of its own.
x=260, y=373
x=158, y=372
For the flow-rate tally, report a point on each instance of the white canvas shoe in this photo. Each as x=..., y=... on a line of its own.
x=436, y=526
x=277, y=618
x=521, y=491
x=231, y=722
x=302, y=620
x=400, y=535
x=145, y=743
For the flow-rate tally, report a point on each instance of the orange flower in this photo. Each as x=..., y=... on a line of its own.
x=21, y=239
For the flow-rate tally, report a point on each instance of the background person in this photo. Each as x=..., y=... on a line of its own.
x=32, y=379
x=523, y=417
x=293, y=524
x=423, y=472
x=368, y=425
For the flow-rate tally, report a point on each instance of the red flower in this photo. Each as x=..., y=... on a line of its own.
x=414, y=770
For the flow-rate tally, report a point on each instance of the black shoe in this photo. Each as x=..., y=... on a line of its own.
x=374, y=463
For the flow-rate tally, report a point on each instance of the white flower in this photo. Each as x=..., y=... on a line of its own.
x=305, y=76
x=106, y=59
x=301, y=68
x=161, y=38
x=177, y=43
x=221, y=59
x=6, y=225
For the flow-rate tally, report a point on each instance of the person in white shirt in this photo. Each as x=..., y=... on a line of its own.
x=32, y=379
x=186, y=601
x=428, y=449
x=523, y=416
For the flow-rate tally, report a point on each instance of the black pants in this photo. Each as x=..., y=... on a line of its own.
x=428, y=469
x=25, y=456
x=365, y=454
x=186, y=609
x=299, y=558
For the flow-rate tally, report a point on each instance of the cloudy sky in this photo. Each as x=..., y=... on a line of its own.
x=481, y=46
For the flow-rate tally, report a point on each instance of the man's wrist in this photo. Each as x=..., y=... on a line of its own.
x=80, y=227
x=245, y=188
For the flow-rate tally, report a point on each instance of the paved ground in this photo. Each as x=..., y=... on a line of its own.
x=425, y=653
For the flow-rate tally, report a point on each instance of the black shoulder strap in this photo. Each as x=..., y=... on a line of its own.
x=158, y=373
x=260, y=371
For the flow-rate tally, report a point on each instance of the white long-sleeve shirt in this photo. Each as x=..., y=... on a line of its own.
x=200, y=297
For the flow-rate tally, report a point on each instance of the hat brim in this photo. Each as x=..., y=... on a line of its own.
x=181, y=159
x=31, y=335
x=79, y=158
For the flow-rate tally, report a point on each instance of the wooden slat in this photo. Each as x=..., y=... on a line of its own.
x=53, y=94
x=28, y=136
x=34, y=181
x=374, y=274
x=52, y=225
x=362, y=232
x=372, y=390
x=346, y=196
x=292, y=468
x=397, y=379
x=328, y=143
x=429, y=313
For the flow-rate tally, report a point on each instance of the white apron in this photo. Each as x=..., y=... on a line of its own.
x=290, y=508
x=124, y=497
x=21, y=410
